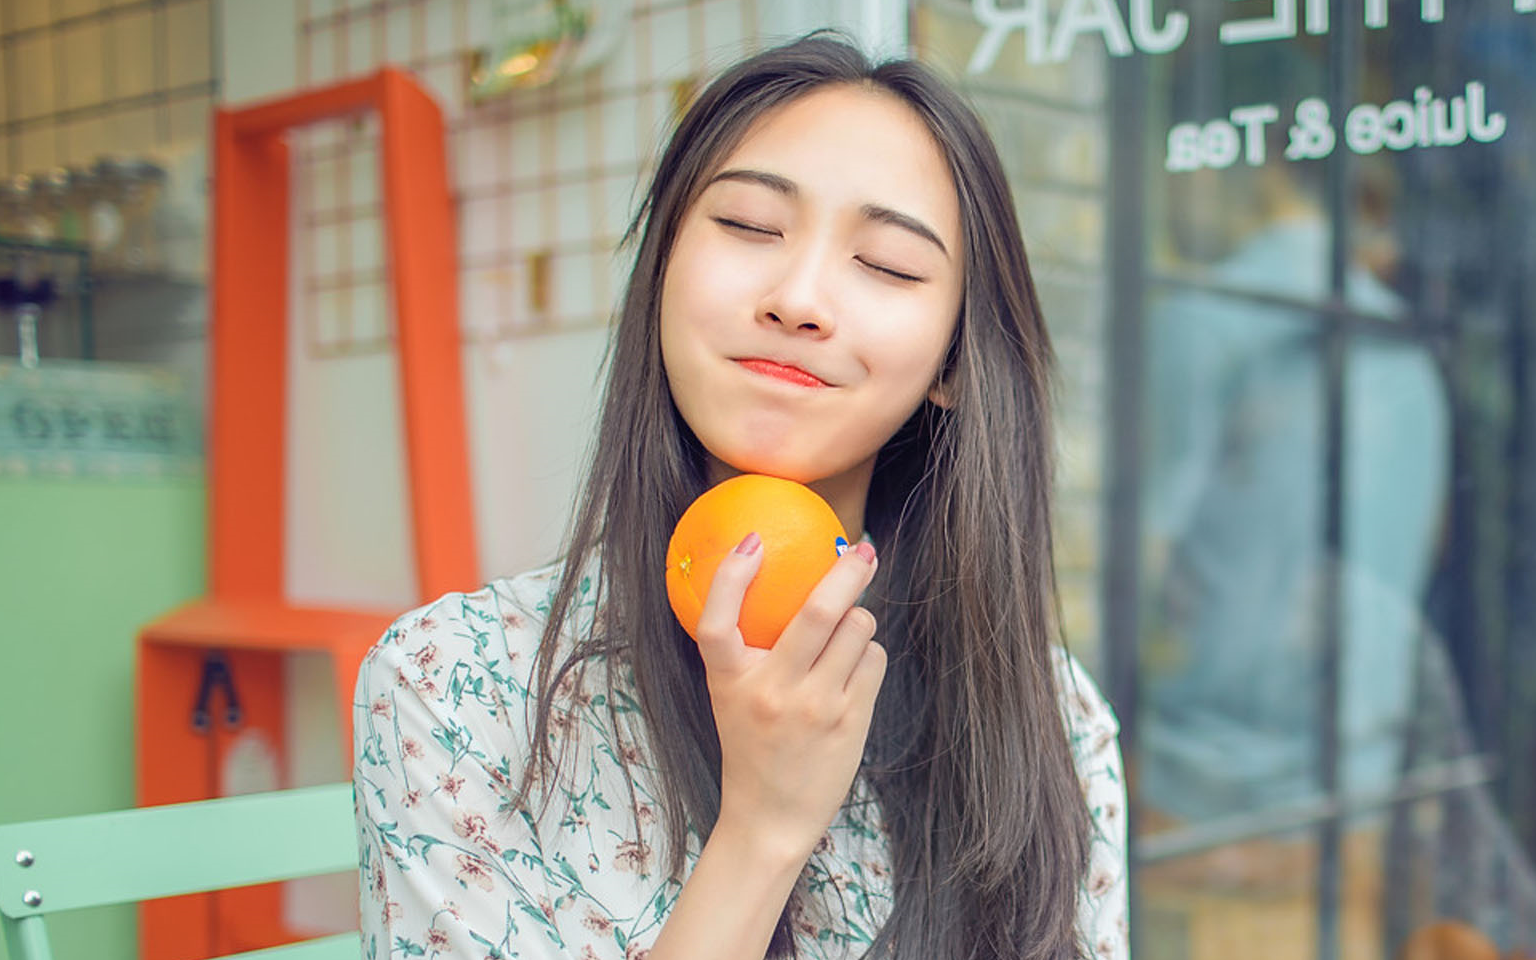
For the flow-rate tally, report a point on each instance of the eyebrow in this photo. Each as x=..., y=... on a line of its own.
x=870, y=211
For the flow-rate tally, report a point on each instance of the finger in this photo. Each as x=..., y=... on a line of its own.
x=844, y=650
x=813, y=624
x=864, y=682
x=717, y=634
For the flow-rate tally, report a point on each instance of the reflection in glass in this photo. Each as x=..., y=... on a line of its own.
x=1236, y=482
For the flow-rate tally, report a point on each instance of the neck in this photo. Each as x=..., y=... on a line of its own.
x=847, y=493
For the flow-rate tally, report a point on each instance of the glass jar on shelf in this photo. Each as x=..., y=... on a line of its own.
x=123, y=231
x=25, y=287
x=104, y=223
x=45, y=286
x=82, y=193
x=58, y=191
x=50, y=201
x=34, y=224
x=14, y=194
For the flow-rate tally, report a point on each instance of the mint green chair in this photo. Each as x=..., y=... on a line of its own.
x=101, y=859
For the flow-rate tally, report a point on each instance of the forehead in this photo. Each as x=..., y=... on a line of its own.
x=854, y=144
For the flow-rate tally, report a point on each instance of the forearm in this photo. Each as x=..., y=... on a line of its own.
x=732, y=900
x=792, y=722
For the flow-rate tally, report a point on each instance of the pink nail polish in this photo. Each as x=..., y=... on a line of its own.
x=866, y=551
x=749, y=544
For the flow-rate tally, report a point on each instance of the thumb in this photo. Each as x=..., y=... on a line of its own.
x=718, y=636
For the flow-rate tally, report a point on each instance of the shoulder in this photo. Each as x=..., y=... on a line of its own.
x=1093, y=732
x=505, y=615
x=448, y=689
x=467, y=653
x=1090, y=721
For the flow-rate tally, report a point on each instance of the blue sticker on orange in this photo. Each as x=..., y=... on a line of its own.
x=842, y=545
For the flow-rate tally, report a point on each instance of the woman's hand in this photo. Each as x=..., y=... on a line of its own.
x=792, y=720
x=792, y=724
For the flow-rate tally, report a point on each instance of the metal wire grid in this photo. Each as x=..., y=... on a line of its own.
x=82, y=78
x=544, y=179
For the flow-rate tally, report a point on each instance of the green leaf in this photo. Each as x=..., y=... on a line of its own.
x=626, y=703
x=534, y=912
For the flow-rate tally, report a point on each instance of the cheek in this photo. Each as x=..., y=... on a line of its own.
x=912, y=352
x=700, y=283
x=695, y=295
x=679, y=299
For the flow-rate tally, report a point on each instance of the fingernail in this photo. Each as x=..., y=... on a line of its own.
x=866, y=551
x=749, y=544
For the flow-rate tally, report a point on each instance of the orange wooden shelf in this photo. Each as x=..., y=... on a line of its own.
x=247, y=624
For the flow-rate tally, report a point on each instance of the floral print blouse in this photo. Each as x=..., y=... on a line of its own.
x=451, y=869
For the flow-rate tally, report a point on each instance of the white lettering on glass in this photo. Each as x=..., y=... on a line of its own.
x=1218, y=144
x=1429, y=121
x=1089, y=16
x=1430, y=11
x=1312, y=136
x=1485, y=127
x=1028, y=16
x=1317, y=17
x=1175, y=28
x=1281, y=24
x=1045, y=42
x=1253, y=120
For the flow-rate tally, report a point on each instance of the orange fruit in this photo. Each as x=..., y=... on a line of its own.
x=1448, y=940
x=802, y=538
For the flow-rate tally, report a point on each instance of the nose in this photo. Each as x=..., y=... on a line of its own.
x=799, y=300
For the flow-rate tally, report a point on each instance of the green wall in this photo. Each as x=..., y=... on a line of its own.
x=84, y=563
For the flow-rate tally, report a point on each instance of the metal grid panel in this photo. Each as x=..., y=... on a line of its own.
x=87, y=77
x=545, y=179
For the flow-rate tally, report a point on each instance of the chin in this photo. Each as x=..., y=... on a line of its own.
x=776, y=468
x=770, y=463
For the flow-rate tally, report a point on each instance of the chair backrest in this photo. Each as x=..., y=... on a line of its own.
x=130, y=855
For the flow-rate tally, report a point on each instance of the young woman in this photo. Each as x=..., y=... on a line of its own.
x=830, y=286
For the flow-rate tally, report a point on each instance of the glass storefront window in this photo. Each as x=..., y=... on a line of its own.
x=1293, y=304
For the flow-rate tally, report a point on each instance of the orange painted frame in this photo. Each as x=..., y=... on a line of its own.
x=245, y=616
x=250, y=296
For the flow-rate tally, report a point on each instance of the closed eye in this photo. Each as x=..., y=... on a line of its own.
x=890, y=272
x=741, y=227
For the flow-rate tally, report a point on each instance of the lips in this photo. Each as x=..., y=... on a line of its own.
x=784, y=372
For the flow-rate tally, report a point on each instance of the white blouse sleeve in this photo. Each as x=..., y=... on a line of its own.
x=1103, y=915
x=449, y=869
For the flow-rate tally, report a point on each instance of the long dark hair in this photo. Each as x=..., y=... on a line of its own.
x=989, y=832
